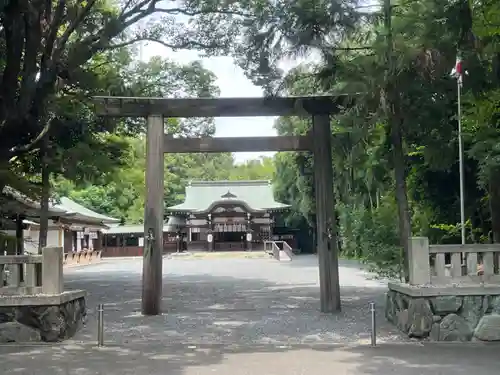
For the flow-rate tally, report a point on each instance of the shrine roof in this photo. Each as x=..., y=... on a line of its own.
x=202, y=196
x=13, y=202
x=67, y=211
x=73, y=209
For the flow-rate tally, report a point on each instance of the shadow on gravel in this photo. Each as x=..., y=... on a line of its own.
x=425, y=358
x=225, y=325
x=256, y=359
x=311, y=260
x=226, y=310
x=230, y=326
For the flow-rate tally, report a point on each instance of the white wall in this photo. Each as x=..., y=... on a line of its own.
x=52, y=237
x=200, y=222
x=32, y=239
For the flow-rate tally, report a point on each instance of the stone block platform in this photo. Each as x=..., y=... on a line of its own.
x=33, y=303
x=48, y=318
x=445, y=313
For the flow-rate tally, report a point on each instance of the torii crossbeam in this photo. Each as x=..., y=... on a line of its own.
x=318, y=141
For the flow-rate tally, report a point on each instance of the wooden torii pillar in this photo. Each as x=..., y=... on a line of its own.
x=152, y=273
x=318, y=141
x=326, y=231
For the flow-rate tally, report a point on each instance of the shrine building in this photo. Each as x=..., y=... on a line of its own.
x=227, y=215
x=215, y=216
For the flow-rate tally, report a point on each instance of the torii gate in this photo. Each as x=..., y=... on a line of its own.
x=318, y=141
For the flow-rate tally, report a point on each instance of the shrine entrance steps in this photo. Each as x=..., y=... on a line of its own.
x=279, y=250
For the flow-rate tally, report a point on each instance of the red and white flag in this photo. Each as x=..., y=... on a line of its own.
x=457, y=71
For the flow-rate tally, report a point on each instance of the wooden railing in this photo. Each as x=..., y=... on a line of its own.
x=32, y=274
x=453, y=264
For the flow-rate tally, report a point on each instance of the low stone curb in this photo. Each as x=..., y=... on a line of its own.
x=221, y=255
x=66, y=266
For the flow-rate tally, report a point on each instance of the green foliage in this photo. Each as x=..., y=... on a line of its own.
x=372, y=236
x=423, y=109
x=397, y=139
x=121, y=194
x=483, y=133
x=258, y=169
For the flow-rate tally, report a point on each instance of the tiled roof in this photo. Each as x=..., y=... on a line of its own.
x=15, y=202
x=72, y=207
x=201, y=195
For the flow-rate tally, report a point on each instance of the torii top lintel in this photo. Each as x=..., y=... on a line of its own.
x=113, y=106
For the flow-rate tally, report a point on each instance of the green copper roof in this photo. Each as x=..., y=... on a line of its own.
x=202, y=195
x=71, y=207
x=13, y=201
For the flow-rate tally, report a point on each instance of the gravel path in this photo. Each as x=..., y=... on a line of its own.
x=238, y=317
x=227, y=301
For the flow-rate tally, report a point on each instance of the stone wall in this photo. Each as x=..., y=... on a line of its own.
x=445, y=318
x=49, y=323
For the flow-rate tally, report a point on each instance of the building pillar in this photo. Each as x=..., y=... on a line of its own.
x=60, y=236
x=210, y=240
x=19, y=235
x=153, y=218
x=78, y=242
x=249, y=235
x=249, y=239
x=271, y=227
x=210, y=234
x=102, y=243
x=327, y=245
x=178, y=240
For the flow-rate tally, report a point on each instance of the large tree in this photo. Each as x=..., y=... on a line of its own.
x=48, y=46
x=408, y=127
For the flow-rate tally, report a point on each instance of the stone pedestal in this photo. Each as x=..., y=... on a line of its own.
x=445, y=313
x=41, y=318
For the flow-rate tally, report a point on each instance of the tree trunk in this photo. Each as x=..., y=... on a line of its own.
x=494, y=202
x=370, y=198
x=44, y=201
x=392, y=110
x=404, y=222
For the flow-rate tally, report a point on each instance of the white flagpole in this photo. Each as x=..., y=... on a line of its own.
x=461, y=159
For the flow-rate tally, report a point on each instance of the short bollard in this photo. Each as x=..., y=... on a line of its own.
x=374, y=324
x=100, y=325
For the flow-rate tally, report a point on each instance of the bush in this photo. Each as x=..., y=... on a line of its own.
x=372, y=236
